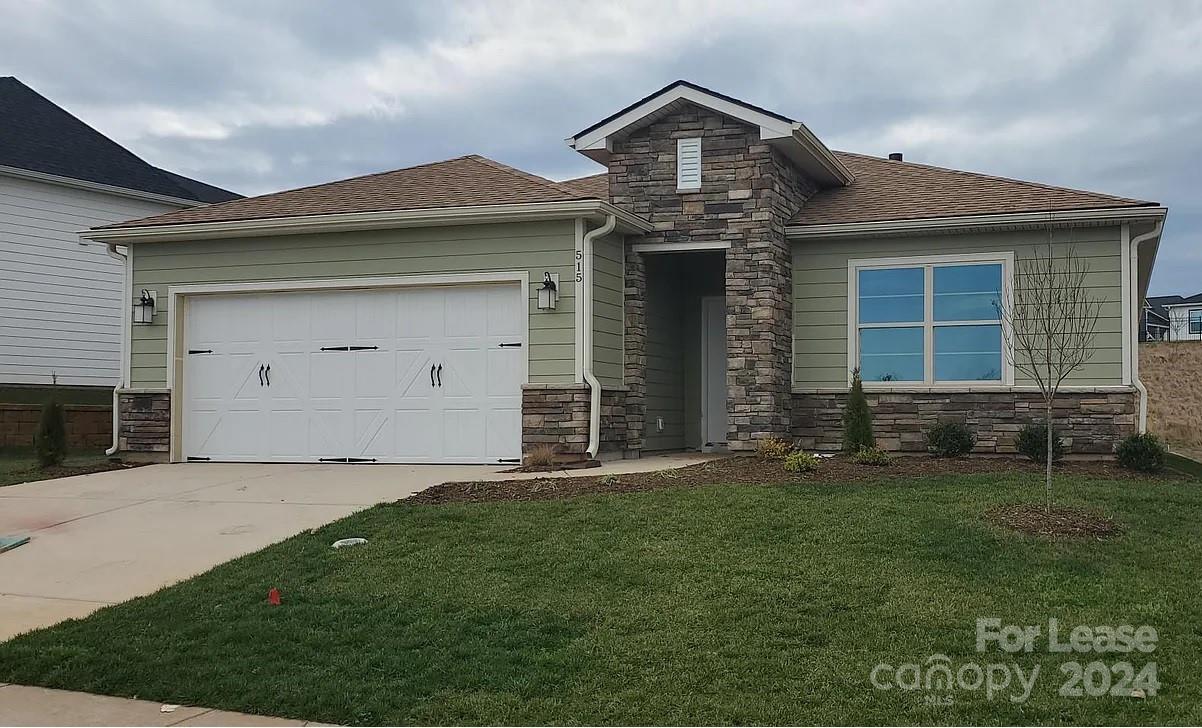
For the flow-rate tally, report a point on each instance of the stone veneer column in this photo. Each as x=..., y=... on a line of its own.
x=749, y=191
x=635, y=345
x=145, y=423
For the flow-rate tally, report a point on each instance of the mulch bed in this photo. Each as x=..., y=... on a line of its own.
x=1034, y=519
x=33, y=473
x=745, y=470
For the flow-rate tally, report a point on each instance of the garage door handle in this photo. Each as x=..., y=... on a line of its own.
x=260, y=375
x=431, y=375
x=440, y=375
x=267, y=374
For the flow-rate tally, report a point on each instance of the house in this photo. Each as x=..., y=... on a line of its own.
x=714, y=286
x=60, y=301
x=1172, y=318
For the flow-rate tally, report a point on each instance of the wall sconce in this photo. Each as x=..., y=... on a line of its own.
x=144, y=308
x=548, y=292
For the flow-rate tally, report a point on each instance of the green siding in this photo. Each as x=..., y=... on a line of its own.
x=820, y=294
x=665, y=365
x=608, y=285
x=531, y=247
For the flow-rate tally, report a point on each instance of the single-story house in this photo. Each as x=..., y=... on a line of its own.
x=1172, y=318
x=714, y=286
x=61, y=303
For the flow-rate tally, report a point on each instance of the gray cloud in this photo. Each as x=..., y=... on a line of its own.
x=275, y=94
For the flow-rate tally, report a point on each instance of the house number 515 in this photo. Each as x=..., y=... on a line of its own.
x=579, y=266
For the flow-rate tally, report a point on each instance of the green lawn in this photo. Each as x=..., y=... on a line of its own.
x=20, y=466
x=690, y=605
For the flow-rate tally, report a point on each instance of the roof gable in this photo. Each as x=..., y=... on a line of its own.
x=40, y=136
x=886, y=190
x=791, y=137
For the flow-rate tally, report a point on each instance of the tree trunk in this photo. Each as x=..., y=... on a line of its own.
x=1048, y=475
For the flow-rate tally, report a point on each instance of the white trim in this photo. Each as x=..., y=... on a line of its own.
x=54, y=179
x=577, y=281
x=650, y=248
x=972, y=222
x=179, y=294
x=387, y=219
x=928, y=263
x=1125, y=298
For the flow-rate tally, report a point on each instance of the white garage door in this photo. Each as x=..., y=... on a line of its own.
x=406, y=375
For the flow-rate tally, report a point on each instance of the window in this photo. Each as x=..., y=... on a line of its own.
x=688, y=164
x=1195, y=321
x=929, y=322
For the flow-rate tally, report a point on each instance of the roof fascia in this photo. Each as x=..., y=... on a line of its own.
x=974, y=222
x=81, y=184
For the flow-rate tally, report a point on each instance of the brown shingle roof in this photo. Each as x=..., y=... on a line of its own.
x=595, y=185
x=887, y=190
x=461, y=182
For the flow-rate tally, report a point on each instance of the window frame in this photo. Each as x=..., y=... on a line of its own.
x=929, y=263
x=1189, y=321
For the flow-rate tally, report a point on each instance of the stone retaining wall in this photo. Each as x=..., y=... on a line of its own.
x=1091, y=421
x=89, y=426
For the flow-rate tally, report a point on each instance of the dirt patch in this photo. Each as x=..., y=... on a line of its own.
x=1061, y=522
x=34, y=473
x=747, y=471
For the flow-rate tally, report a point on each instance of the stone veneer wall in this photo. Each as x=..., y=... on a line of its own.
x=88, y=425
x=1091, y=422
x=748, y=193
x=145, y=422
x=558, y=415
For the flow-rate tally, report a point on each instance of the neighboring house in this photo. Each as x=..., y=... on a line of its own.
x=1172, y=318
x=715, y=286
x=61, y=300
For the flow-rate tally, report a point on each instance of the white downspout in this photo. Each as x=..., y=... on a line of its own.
x=126, y=296
x=1135, y=306
x=584, y=299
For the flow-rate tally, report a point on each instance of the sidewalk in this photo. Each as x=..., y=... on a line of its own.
x=27, y=706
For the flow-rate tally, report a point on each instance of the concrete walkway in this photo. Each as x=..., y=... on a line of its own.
x=26, y=706
x=103, y=538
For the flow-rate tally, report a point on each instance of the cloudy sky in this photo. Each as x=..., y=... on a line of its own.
x=261, y=96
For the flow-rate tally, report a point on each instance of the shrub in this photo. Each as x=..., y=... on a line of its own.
x=773, y=448
x=950, y=439
x=801, y=462
x=871, y=456
x=541, y=456
x=1142, y=452
x=50, y=440
x=608, y=479
x=857, y=418
x=1032, y=441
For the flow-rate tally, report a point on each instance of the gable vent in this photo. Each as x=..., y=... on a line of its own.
x=688, y=164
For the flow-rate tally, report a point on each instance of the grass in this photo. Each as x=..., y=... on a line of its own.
x=20, y=466
x=683, y=606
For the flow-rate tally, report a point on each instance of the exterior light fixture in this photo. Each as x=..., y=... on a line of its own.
x=144, y=308
x=548, y=292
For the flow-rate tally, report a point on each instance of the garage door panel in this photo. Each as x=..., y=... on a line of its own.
x=375, y=403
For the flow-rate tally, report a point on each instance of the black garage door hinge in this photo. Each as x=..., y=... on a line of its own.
x=516, y=344
x=350, y=348
x=194, y=459
x=509, y=460
x=200, y=351
x=346, y=460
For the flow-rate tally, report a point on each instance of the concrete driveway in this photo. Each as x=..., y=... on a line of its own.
x=104, y=538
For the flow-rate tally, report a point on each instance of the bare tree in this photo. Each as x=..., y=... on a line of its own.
x=1049, y=324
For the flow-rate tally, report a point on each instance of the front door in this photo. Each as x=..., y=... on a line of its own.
x=713, y=372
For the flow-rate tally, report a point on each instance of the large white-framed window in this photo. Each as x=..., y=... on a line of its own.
x=930, y=320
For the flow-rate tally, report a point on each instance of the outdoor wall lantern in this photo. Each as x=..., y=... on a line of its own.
x=548, y=292
x=144, y=308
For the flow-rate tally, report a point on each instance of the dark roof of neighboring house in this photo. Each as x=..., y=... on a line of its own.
x=40, y=136
x=467, y=181
x=595, y=185
x=893, y=190
x=1157, y=304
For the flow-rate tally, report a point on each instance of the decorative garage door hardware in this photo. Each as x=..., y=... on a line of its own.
x=506, y=346
x=514, y=461
x=435, y=372
x=346, y=460
x=200, y=351
x=350, y=348
x=194, y=459
x=264, y=374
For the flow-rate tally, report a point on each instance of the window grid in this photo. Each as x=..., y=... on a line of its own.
x=929, y=324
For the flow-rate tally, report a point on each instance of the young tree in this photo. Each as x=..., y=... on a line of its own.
x=857, y=418
x=1050, y=325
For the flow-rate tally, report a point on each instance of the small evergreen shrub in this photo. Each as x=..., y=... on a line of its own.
x=872, y=456
x=773, y=448
x=1145, y=453
x=857, y=418
x=1032, y=441
x=801, y=462
x=950, y=439
x=50, y=440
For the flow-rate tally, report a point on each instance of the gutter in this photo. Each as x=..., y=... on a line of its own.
x=380, y=220
x=971, y=222
x=586, y=303
x=127, y=296
x=1136, y=299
